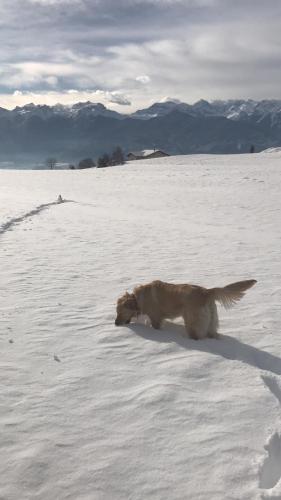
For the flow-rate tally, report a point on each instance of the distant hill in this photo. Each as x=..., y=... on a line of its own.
x=33, y=132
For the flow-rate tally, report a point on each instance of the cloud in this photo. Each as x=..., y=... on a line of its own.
x=114, y=97
x=170, y=99
x=144, y=49
x=53, y=2
x=143, y=79
x=111, y=99
x=118, y=98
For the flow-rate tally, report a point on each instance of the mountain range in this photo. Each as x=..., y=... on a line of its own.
x=33, y=132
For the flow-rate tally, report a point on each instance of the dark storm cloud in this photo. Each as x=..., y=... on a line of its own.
x=142, y=49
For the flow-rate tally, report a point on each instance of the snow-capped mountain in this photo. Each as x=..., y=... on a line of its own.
x=161, y=109
x=91, y=109
x=233, y=109
x=78, y=109
x=87, y=129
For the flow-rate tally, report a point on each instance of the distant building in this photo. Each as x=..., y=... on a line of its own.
x=146, y=154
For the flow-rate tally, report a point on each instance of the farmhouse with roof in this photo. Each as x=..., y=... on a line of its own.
x=146, y=154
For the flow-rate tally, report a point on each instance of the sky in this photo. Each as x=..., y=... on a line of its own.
x=128, y=54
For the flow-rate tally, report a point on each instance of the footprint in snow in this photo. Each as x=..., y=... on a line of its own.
x=270, y=472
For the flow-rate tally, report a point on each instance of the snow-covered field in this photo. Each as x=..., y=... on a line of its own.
x=89, y=411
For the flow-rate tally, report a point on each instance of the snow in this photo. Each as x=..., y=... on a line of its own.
x=145, y=152
x=272, y=150
x=90, y=411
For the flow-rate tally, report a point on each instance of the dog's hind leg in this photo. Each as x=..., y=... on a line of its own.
x=197, y=323
x=214, y=321
x=189, y=327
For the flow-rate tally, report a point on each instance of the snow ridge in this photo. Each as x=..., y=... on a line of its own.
x=270, y=471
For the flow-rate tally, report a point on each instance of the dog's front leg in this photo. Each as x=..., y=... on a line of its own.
x=190, y=330
x=155, y=322
x=193, y=334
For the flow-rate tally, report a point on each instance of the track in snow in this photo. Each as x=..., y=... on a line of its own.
x=17, y=220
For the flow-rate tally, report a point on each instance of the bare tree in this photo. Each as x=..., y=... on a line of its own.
x=51, y=163
x=86, y=163
x=104, y=161
x=117, y=157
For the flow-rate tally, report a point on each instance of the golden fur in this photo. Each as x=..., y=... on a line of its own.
x=196, y=304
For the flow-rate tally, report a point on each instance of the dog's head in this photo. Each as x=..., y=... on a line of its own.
x=126, y=309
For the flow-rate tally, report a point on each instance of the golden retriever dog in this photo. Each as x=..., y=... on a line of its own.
x=197, y=305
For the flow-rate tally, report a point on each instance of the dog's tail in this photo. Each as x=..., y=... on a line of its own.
x=230, y=294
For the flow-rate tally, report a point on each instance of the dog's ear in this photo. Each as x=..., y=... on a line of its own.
x=131, y=302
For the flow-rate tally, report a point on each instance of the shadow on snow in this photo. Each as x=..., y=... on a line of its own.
x=226, y=347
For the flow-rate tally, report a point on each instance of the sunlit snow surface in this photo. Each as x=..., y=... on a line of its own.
x=89, y=411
